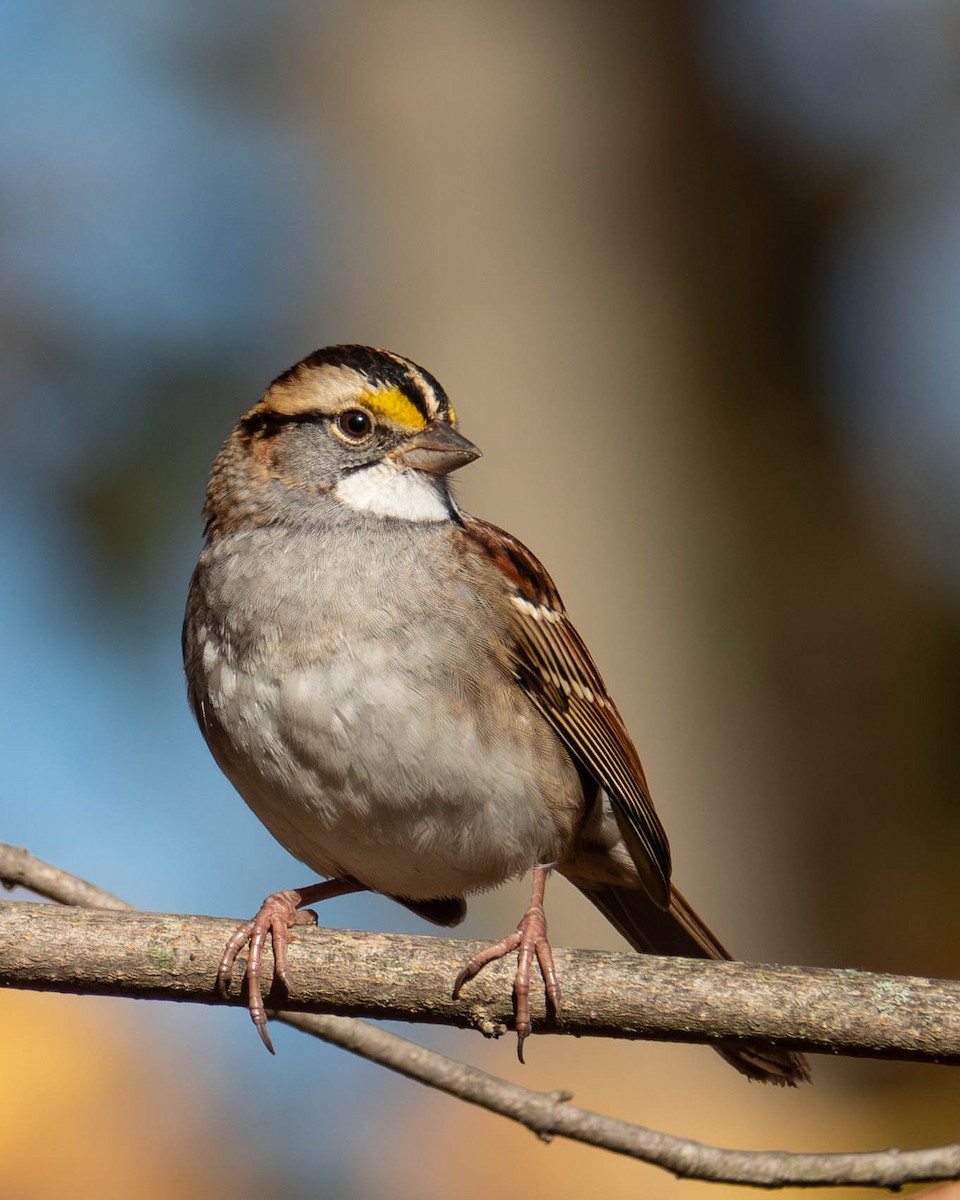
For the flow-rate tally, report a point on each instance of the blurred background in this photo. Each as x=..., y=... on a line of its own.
x=691, y=276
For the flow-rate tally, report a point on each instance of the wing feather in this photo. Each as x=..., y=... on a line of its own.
x=553, y=665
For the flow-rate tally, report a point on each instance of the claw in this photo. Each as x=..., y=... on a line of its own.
x=230, y=952
x=278, y=914
x=530, y=940
x=265, y=1035
x=476, y=964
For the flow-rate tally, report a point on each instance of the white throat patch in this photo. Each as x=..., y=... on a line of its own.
x=391, y=491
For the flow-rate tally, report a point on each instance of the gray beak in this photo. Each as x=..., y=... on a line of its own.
x=437, y=448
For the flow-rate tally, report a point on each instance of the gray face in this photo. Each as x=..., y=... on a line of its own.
x=365, y=433
x=319, y=449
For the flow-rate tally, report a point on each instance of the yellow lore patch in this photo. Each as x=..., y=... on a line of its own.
x=392, y=404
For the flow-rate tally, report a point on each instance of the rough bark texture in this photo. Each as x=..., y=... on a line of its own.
x=164, y=956
x=546, y=1114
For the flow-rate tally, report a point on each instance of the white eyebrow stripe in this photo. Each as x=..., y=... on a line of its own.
x=423, y=385
x=315, y=388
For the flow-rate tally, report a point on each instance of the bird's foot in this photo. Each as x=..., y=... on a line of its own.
x=530, y=941
x=278, y=914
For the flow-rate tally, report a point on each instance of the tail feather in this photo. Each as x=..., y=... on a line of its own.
x=678, y=930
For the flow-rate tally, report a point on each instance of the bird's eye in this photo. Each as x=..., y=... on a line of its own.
x=355, y=425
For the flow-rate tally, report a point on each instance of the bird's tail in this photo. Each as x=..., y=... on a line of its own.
x=678, y=930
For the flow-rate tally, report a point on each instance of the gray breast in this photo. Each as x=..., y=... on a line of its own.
x=359, y=703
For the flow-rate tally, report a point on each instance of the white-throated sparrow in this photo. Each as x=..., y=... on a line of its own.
x=395, y=689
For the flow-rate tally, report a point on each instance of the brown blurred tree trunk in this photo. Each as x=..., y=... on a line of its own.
x=615, y=288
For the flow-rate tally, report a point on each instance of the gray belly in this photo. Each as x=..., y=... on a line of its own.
x=362, y=765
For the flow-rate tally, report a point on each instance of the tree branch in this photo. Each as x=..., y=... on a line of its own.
x=19, y=868
x=161, y=956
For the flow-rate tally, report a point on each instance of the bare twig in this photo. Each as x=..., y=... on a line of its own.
x=549, y=1115
x=173, y=954
x=19, y=868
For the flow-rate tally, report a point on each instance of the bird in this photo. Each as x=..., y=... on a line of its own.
x=395, y=688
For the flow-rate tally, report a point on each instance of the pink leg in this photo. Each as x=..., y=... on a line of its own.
x=278, y=913
x=530, y=939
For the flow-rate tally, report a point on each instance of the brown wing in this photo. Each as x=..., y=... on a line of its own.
x=554, y=667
